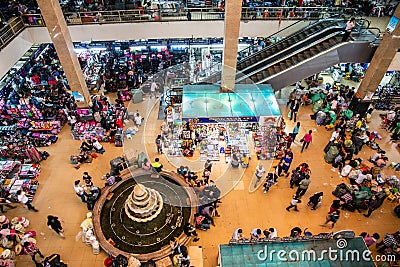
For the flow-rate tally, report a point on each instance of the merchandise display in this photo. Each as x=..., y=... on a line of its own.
x=17, y=176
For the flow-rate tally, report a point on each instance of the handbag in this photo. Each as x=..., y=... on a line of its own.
x=301, y=140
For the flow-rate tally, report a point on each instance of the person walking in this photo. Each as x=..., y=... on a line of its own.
x=332, y=217
x=189, y=15
x=159, y=144
x=55, y=224
x=349, y=27
x=303, y=186
x=294, y=108
x=293, y=203
x=295, y=131
x=372, y=205
x=307, y=139
x=153, y=88
x=315, y=200
x=208, y=165
x=80, y=191
x=292, y=97
x=22, y=198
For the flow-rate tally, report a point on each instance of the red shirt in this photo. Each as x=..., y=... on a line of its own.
x=307, y=138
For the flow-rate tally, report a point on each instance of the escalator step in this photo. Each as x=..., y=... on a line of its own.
x=319, y=48
x=271, y=71
x=301, y=57
x=289, y=63
x=265, y=74
x=283, y=66
x=295, y=60
x=307, y=54
x=326, y=45
x=277, y=68
x=332, y=41
x=259, y=77
x=313, y=51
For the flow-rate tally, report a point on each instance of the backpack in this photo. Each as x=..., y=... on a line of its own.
x=331, y=154
x=158, y=141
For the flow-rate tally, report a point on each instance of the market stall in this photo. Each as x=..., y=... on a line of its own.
x=220, y=124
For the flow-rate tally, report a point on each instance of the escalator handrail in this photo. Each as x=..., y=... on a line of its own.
x=291, y=25
x=280, y=41
x=287, y=37
x=296, y=51
x=299, y=43
x=306, y=60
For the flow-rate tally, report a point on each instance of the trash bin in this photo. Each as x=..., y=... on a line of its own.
x=137, y=96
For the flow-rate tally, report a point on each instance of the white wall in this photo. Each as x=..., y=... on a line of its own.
x=132, y=31
x=13, y=52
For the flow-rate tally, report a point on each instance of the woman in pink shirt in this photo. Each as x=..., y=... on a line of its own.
x=307, y=139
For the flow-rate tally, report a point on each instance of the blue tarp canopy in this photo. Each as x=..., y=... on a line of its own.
x=248, y=100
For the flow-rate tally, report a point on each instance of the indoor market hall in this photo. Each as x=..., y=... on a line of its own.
x=252, y=135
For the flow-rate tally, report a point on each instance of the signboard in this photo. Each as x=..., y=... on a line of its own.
x=392, y=24
x=225, y=119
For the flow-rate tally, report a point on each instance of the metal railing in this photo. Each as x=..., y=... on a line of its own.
x=196, y=14
x=17, y=24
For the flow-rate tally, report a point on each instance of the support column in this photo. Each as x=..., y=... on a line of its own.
x=61, y=38
x=381, y=60
x=233, y=10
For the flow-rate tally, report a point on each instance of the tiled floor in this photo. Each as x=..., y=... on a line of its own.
x=239, y=208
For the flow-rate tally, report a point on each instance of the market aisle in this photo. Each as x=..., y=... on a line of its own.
x=239, y=208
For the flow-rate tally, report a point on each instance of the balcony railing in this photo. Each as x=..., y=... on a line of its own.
x=17, y=24
x=9, y=31
x=196, y=14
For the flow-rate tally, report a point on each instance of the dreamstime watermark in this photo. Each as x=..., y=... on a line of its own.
x=339, y=253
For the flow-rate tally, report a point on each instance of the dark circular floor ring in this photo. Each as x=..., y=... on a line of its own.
x=118, y=234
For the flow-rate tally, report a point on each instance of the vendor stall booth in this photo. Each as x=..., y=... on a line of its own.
x=220, y=124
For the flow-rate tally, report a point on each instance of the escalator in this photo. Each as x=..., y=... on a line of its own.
x=303, y=54
x=273, y=49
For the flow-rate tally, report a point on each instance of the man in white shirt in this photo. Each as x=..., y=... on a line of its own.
x=273, y=233
x=238, y=234
x=22, y=198
x=138, y=119
x=80, y=191
x=335, y=135
x=153, y=88
x=255, y=233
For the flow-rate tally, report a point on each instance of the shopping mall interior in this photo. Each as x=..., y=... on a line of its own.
x=199, y=133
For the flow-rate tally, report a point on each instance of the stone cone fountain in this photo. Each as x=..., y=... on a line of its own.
x=143, y=204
